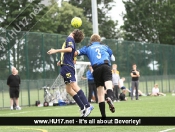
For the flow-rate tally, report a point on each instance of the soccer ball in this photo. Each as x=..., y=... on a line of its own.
x=76, y=22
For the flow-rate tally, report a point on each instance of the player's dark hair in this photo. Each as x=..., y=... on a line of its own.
x=78, y=35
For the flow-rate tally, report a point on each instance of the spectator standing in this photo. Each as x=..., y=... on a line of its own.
x=135, y=74
x=91, y=84
x=13, y=81
x=115, y=82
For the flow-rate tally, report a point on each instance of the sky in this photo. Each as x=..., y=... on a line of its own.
x=117, y=10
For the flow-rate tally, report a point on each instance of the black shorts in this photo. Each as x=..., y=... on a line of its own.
x=102, y=73
x=14, y=92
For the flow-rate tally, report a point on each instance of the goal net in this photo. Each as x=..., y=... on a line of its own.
x=58, y=85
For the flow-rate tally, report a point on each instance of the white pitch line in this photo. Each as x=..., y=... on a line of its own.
x=31, y=111
x=22, y=112
x=19, y=112
x=167, y=130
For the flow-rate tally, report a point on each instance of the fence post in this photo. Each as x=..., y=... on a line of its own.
x=136, y=60
x=21, y=95
x=168, y=70
x=169, y=82
x=8, y=52
x=127, y=44
x=146, y=84
x=2, y=95
x=117, y=54
x=37, y=89
x=27, y=68
x=43, y=54
x=162, y=82
x=153, y=49
x=57, y=56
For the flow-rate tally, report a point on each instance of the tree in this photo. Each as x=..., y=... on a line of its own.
x=107, y=27
x=21, y=15
x=151, y=21
x=17, y=16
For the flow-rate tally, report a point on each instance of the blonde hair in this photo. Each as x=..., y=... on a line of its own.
x=114, y=64
x=156, y=84
x=95, y=38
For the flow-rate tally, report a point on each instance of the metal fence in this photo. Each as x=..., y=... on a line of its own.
x=27, y=52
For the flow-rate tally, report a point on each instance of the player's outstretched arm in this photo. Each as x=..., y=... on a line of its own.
x=75, y=53
x=81, y=51
x=53, y=51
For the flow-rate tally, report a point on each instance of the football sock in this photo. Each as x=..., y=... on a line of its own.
x=102, y=109
x=109, y=93
x=83, y=98
x=78, y=101
x=106, y=96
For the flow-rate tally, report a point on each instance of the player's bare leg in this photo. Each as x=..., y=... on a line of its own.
x=11, y=103
x=109, y=92
x=17, y=104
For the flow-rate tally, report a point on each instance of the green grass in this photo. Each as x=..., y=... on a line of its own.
x=146, y=106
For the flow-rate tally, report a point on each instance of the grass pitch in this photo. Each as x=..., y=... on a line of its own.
x=146, y=106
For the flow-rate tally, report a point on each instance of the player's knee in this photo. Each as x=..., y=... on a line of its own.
x=75, y=87
x=71, y=92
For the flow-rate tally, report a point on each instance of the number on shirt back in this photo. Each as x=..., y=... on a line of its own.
x=98, y=53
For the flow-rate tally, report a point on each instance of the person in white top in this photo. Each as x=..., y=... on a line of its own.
x=155, y=91
x=121, y=84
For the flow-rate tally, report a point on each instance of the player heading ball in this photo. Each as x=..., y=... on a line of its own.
x=68, y=70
